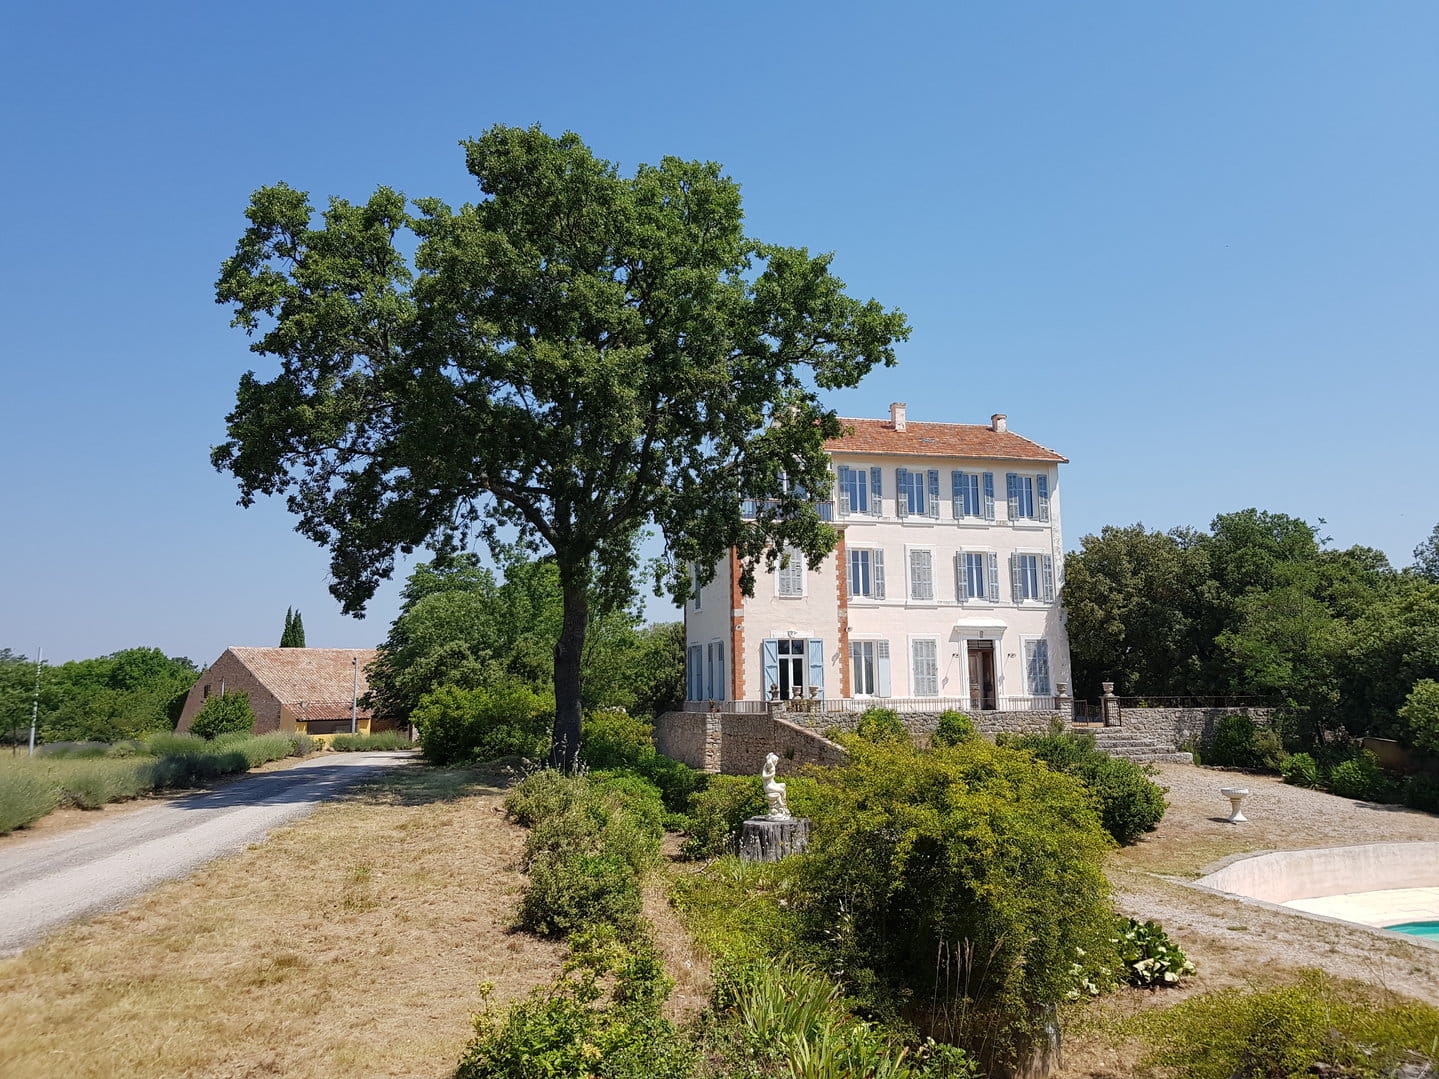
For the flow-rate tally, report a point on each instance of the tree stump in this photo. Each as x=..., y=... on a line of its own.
x=763, y=839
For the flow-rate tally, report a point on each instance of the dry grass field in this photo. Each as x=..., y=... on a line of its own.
x=349, y=944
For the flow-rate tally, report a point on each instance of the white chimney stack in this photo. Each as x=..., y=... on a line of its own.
x=999, y=422
x=896, y=415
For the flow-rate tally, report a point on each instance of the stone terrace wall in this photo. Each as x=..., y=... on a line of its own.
x=735, y=743
x=990, y=723
x=1175, y=726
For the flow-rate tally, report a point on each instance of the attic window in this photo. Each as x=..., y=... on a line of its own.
x=207, y=693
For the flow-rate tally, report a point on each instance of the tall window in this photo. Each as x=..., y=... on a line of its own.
x=866, y=572
x=715, y=688
x=790, y=575
x=791, y=667
x=859, y=490
x=973, y=494
x=917, y=493
x=694, y=674
x=924, y=668
x=921, y=575
x=1028, y=497
x=869, y=668
x=976, y=576
x=1036, y=666
x=1033, y=577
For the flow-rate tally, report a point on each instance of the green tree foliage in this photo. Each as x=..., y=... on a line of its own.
x=966, y=877
x=575, y=355
x=501, y=720
x=1426, y=557
x=294, y=634
x=459, y=626
x=1256, y=606
x=1421, y=714
x=225, y=714
x=123, y=695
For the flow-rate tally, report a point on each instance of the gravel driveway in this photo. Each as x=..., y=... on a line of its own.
x=49, y=881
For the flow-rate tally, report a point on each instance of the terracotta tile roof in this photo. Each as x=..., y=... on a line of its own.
x=938, y=440
x=321, y=677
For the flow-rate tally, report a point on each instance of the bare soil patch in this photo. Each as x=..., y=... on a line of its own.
x=351, y=943
x=1235, y=943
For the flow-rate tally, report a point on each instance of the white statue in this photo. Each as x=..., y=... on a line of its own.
x=774, y=795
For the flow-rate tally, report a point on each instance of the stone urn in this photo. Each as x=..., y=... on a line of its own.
x=1235, y=796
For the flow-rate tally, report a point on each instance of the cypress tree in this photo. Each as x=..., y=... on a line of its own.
x=297, y=632
x=288, y=634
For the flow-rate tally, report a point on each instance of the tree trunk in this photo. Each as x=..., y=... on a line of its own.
x=569, y=649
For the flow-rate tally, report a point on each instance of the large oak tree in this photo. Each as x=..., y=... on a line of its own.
x=575, y=356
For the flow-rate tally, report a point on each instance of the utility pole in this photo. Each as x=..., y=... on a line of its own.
x=35, y=701
x=355, y=695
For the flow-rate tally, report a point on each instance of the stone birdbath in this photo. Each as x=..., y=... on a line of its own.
x=1235, y=796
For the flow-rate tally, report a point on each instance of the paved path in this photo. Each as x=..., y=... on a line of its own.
x=48, y=882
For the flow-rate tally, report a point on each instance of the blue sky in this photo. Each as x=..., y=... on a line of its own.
x=1191, y=246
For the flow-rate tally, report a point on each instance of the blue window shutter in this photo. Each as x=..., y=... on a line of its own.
x=1041, y=490
x=693, y=687
x=1011, y=487
x=932, y=503
x=901, y=494
x=961, y=588
x=769, y=664
x=721, y=691
x=1016, y=577
x=1046, y=574
x=845, y=479
x=991, y=576
x=816, y=665
x=956, y=493
x=876, y=490
x=877, y=560
x=989, y=496
x=881, y=666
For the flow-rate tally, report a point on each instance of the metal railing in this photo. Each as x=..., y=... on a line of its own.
x=751, y=507
x=1233, y=701
x=898, y=704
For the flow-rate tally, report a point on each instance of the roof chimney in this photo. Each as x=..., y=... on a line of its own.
x=896, y=415
x=999, y=422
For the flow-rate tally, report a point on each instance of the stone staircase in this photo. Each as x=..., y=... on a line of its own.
x=1118, y=742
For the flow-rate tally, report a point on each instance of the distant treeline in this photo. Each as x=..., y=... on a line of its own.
x=123, y=695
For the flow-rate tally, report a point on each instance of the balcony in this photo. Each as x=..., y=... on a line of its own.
x=750, y=508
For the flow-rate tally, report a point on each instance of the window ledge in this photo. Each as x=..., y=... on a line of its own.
x=1030, y=525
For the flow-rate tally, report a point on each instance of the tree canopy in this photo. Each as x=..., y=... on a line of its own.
x=1255, y=606
x=577, y=354
x=293, y=635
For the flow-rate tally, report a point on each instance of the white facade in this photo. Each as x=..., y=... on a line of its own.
x=944, y=584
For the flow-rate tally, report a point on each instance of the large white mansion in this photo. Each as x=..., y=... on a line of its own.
x=943, y=586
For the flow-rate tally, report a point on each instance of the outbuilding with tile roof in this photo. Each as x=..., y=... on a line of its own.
x=309, y=689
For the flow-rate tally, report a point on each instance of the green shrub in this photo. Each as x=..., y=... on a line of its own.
x=954, y=728
x=127, y=747
x=882, y=725
x=25, y=797
x=90, y=785
x=1420, y=713
x=504, y=720
x=380, y=740
x=301, y=745
x=967, y=878
x=73, y=750
x=267, y=747
x=220, y=715
x=1313, y=1027
x=1148, y=957
x=1301, y=770
x=1361, y=778
x=637, y=796
x=541, y=794
x=569, y=892
x=1268, y=749
x=613, y=738
x=1232, y=744
x=777, y=1020
x=166, y=744
x=1129, y=803
x=1421, y=792
x=559, y=1031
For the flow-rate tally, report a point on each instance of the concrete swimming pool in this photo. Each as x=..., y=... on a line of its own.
x=1392, y=886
